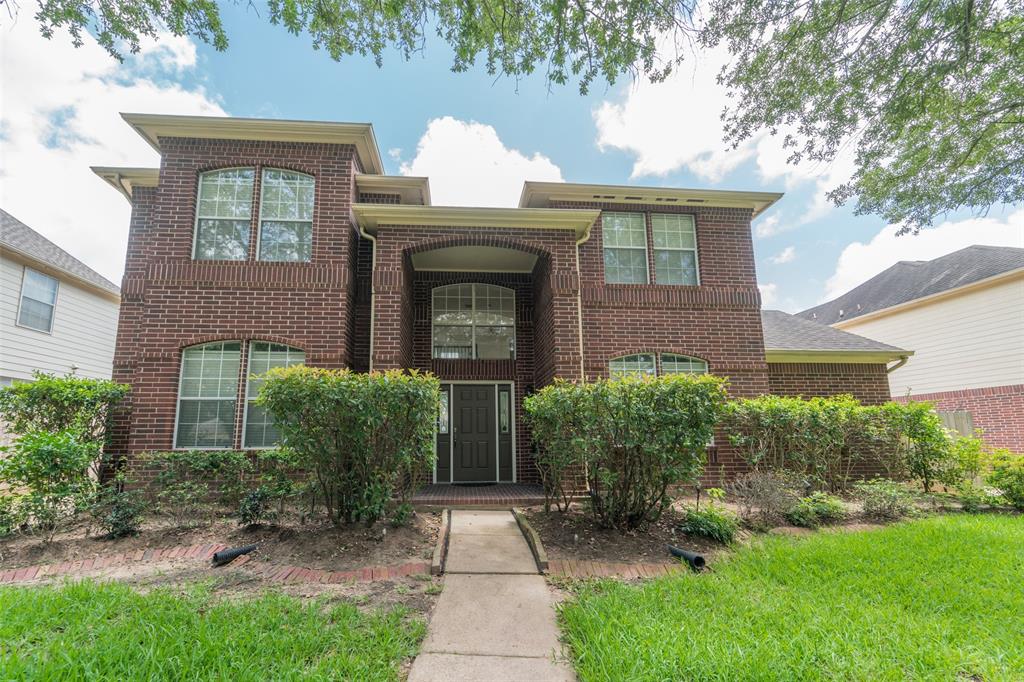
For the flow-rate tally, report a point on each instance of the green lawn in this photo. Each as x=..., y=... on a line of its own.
x=936, y=599
x=110, y=632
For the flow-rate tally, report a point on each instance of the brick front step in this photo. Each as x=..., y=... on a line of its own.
x=204, y=552
x=601, y=569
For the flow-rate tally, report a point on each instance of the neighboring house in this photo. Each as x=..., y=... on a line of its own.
x=265, y=243
x=963, y=314
x=57, y=315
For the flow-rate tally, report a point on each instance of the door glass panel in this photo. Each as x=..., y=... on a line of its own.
x=443, y=416
x=504, y=416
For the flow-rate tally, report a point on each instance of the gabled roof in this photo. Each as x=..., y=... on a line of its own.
x=19, y=238
x=794, y=339
x=541, y=194
x=910, y=280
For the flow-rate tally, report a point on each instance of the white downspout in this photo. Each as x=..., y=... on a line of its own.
x=579, y=299
x=373, y=286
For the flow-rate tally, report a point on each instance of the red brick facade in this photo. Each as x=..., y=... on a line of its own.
x=362, y=304
x=998, y=411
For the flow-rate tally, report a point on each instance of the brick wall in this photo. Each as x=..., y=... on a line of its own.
x=998, y=411
x=869, y=383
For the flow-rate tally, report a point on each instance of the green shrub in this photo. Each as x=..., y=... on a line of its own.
x=362, y=437
x=885, y=500
x=912, y=441
x=54, y=475
x=711, y=522
x=764, y=497
x=402, y=514
x=816, y=510
x=1008, y=476
x=12, y=514
x=254, y=507
x=117, y=507
x=193, y=484
x=634, y=438
x=973, y=497
x=55, y=404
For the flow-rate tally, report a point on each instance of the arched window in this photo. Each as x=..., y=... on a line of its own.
x=224, y=214
x=632, y=365
x=474, y=321
x=286, y=216
x=675, y=364
x=208, y=395
x=260, y=431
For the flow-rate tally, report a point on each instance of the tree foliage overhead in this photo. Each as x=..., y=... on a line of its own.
x=927, y=95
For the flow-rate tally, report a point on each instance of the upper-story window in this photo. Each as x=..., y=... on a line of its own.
x=625, y=248
x=286, y=216
x=645, y=364
x=224, y=214
x=474, y=321
x=38, y=301
x=675, y=249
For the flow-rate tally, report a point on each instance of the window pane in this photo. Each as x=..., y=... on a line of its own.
x=206, y=395
x=286, y=241
x=464, y=312
x=35, y=315
x=494, y=343
x=286, y=196
x=453, y=343
x=632, y=365
x=673, y=231
x=624, y=230
x=504, y=416
x=260, y=431
x=675, y=267
x=223, y=214
x=442, y=417
x=625, y=266
x=222, y=239
x=674, y=364
x=39, y=287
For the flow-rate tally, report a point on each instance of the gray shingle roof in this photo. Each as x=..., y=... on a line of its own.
x=783, y=331
x=17, y=236
x=909, y=280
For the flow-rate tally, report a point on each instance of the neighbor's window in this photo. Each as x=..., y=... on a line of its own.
x=207, y=395
x=286, y=216
x=474, y=321
x=38, y=300
x=624, y=236
x=260, y=431
x=632, y=365
x=676, y=364
x=224, y=214
x=675, y=249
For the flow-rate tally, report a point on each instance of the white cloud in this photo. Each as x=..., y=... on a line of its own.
x=60, y=115
x=769, y=294
x=859, y=262
x=785, y=256
x=768, y=227
x=469, y=165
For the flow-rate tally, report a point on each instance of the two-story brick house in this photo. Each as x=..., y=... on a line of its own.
x=260, y=243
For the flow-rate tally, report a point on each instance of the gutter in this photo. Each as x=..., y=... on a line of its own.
x=902, y=361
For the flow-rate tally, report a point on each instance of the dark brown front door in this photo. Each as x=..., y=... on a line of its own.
x=474, y=433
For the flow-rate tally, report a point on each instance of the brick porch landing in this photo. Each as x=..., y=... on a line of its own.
x=499, y=495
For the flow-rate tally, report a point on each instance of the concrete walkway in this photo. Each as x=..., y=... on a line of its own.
x=495, y=620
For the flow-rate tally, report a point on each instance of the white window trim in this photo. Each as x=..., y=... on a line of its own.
x=472, y=325
x=21, y=297
x=647, y=248
x=259, y=217
x=246, y=375
x=177, y=397
x=695, y=249
x=199, y=192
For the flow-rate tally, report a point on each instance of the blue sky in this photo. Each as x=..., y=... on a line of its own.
x=477, y=137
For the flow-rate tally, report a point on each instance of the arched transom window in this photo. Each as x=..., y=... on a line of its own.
x=474, y=321
x=646, y=364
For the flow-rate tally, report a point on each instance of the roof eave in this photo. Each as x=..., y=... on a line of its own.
x=757, y=202
x=124, y=179
x=371, y=216
x=57, y=271
x=789, y=355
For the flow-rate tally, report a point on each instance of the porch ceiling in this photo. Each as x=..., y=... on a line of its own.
x=474, y=259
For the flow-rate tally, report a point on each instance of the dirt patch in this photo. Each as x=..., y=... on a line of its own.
x=574, y=535
x=311, y=545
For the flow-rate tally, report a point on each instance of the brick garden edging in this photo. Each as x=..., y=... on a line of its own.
x=601, y=569
x=272, y=572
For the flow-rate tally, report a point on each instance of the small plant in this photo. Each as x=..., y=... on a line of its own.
x=253, y=508
x=815, y=510
x=1008, y=476
x=117, y=509
x=714, y=522
x=402, y=515
x=12, y=516
x=764, y=496
x=192, y=483
x=886, y=500
x=973, y=497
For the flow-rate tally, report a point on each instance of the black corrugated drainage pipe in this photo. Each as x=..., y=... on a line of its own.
x=695, y=560
x=226, y=556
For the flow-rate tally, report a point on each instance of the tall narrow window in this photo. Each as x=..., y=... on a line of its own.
x=675, y=249
x=207, y=396
x=474, y=321
x=224, y=214
x=624, y=236
x=260, y=431
x=38, y=301
x=443, y=412
x=286, y=216
x=504, y=412
x=632, y=365
x=677, y=364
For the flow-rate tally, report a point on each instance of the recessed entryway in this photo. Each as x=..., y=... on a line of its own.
x=475, y=433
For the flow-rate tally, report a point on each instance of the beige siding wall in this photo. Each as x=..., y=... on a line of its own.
x=84, y=328
x=973, y=340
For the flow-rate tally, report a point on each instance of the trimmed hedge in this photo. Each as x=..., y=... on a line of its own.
x=54, y=404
